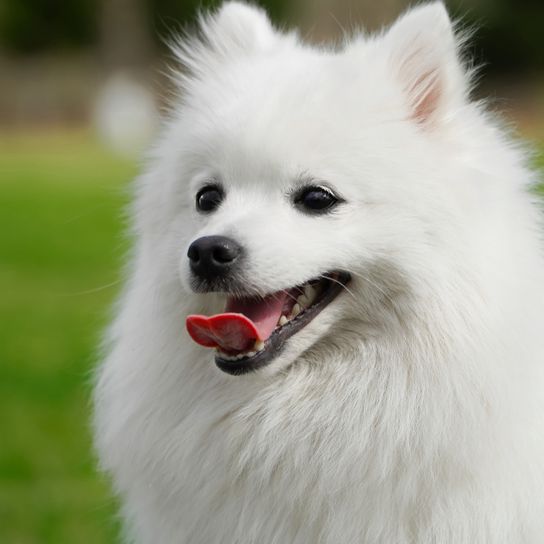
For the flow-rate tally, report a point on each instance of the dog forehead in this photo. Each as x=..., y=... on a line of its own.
x=306, y=99
x=268, y=122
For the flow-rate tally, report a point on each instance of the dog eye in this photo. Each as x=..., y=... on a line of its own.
x=209, y=198
x=315, y=199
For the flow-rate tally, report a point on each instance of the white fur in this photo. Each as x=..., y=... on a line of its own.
x=411, y=410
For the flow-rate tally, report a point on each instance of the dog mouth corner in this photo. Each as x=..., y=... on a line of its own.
x=253, y=331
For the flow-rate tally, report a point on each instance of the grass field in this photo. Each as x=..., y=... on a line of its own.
x=60, y=196
x=60, y=252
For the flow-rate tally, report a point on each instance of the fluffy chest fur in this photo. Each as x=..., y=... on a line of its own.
x=354, y=448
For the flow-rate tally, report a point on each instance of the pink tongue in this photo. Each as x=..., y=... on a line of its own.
x=244, y=321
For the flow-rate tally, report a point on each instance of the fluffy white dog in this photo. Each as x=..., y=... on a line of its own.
x=358, y=242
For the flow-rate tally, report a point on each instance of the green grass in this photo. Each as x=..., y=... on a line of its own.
x=60, y=251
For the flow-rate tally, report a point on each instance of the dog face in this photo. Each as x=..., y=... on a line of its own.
x=303, y=185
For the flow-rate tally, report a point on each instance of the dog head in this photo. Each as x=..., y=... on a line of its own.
x=308, y=186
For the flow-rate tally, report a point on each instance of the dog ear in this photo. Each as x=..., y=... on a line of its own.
x=234, y=30
x=423, y=53
x=237, y=26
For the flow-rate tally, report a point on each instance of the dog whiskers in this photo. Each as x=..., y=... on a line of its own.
x=325, y=277
x=374, y=284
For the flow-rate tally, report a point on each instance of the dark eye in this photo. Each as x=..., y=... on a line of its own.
x=209, y=198
x=315, y=199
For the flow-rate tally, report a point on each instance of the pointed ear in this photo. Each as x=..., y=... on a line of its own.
x=424, y=58
x=235, y=30
x=238, y=26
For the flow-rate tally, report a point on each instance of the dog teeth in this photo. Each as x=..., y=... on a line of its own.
x=296, y=310
x=310, y=293
x=283, y=320
x=259, y=346
x=306, y=299
x=226, y=357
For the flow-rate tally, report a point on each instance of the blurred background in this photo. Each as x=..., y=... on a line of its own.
x=81, y=90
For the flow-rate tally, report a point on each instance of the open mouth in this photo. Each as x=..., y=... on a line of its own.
x=253, y=330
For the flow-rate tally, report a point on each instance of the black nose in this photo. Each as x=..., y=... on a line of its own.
x=213, y=256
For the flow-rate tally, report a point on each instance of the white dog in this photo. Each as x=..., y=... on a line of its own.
x=358, y=242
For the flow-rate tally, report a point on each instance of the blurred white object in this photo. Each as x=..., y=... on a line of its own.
x=126, y=115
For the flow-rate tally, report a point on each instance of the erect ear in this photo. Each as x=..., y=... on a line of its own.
x=235, y=29
x=423, y=54
x=237, y=25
